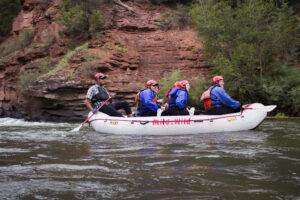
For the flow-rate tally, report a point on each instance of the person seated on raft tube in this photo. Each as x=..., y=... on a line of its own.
x=147, y=100
x=98, y=94
x=178, y=100
x=171, y=95
x=217, y=101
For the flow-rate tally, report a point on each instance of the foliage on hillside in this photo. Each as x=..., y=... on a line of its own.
x=17, y=42
x=254, y=46
x=79, y=20
x=9, y=9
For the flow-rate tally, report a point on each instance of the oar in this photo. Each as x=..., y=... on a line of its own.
x=79, y=127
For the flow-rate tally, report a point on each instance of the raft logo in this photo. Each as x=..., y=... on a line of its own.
x=231, y=119
x=113, y=122
x=176, y=121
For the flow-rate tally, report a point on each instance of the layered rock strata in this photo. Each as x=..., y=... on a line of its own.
x=132, y=49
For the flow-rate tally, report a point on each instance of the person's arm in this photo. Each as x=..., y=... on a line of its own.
x=181, y=99
x=226, y=99
x=88, y=98
x=88, y=104
x=173, y=92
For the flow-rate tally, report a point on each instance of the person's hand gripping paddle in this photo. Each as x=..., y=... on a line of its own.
x=79, y=127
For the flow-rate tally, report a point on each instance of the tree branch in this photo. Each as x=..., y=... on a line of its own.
x=124, y=5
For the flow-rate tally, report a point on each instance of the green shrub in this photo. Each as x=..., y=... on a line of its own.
x=107, y=46
x=78, y=21
x=166, y=19
x=182, y=17
x=65, y=60
x=96, y=21
x=198, y=86
x=281, y=115
x=120, y=48
x=9, y=9
x=90, y=64
x=75, y=21
x=50, y=12
x=166, y=83
x=18, y=42
x=27, y=78
x=253, y=45
x=89, y=68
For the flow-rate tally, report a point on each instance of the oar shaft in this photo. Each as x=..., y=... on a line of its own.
x=97, y=110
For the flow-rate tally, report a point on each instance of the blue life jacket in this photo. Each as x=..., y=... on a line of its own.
x=147, y=101
x=221, y=98
x=181, y=98
x=172, y=97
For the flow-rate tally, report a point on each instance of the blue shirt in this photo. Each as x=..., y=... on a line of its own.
x=219, y=97
x=181, y=98
x=146, y=103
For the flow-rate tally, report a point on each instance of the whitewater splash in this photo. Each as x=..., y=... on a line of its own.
x=21, y=122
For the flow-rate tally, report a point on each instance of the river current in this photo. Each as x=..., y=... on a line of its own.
x=47, y=161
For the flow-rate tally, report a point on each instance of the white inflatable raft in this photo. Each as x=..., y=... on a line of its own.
x=250, y=118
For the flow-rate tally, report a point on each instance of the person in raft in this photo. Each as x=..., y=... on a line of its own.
x=178, y=99
x=171, y=95
x=98, y=94
x=147, y=100
x=217, y=101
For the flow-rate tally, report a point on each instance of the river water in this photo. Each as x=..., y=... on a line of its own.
x=47, y=161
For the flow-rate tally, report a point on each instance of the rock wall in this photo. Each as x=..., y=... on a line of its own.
x=149, y=52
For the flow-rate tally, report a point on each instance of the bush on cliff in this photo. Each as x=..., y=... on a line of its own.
x=18, y=42
x=96, y=21
x=254, y=46
x=75, y=22
x=9, y=9
x=28, y=77
x=79, y=21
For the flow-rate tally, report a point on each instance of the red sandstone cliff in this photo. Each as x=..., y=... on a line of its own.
x=150, y=53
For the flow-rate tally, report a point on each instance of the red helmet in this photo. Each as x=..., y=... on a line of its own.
x=183, y=83
x=151, y=82
x=216, y=79
x=99, y=76
x=177, y=84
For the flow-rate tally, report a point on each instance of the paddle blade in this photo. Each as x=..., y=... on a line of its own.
x=77, y=129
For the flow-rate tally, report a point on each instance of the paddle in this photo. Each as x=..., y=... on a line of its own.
x=79, y=127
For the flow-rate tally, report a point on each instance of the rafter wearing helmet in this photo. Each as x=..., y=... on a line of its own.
x=178, y=99
x=98, y=94
x=146, y=99
x=217, y=101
